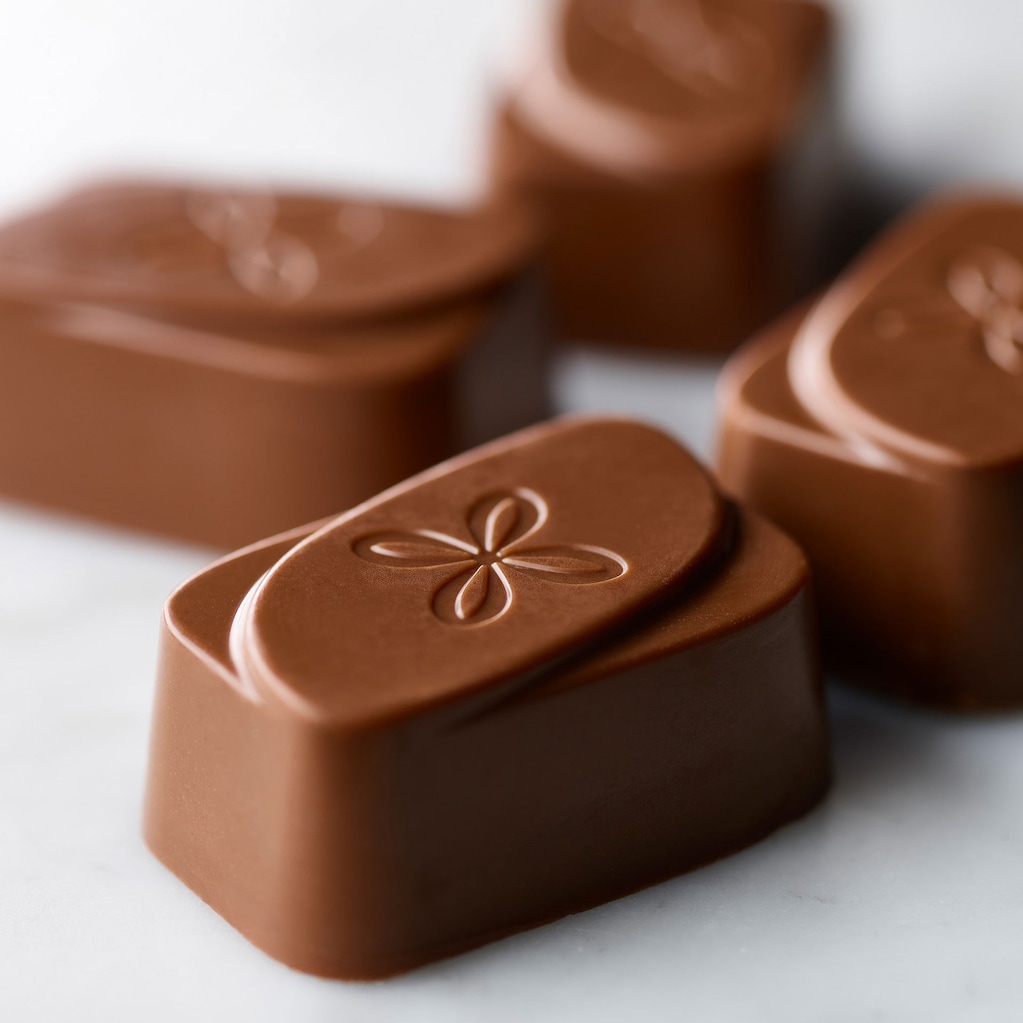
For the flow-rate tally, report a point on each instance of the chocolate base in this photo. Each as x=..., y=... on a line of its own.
x=689, y=733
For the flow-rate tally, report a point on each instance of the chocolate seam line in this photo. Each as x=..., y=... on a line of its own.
x=229, y=351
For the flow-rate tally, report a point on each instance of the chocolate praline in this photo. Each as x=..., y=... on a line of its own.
x=883, y=428
x=679, y=152
x=218, y=364
x=535, y=678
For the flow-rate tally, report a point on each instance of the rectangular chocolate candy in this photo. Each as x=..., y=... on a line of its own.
x=220, y=365
x=537, y=677
x=884, y=429
x=678, y=153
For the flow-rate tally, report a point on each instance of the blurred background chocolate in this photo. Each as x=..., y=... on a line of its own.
x=680, y=154
x=883, y=428
x=217, y=365
x=541, y=676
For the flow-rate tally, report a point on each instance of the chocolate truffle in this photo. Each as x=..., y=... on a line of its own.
x=884, y=429
x=676, y=150
x=221, y=365
x=535, y=678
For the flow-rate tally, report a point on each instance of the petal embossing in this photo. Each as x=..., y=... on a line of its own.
x=501, y=523
x=420, y=549
x=499, y=520
x=480, y=590
x=268, y=263
x=985, y=281
x=477, y=595
x=360, y=223
x=715, y=61
x=281, y=269
x=575, y=564
x=988, y=286
x=473, y=595
x=233, y=219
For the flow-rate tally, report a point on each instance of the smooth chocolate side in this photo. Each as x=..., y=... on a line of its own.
x=211, y=438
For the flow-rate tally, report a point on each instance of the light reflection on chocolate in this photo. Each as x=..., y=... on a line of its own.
x=718, y=56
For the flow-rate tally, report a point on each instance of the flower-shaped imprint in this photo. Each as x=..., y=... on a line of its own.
x=260, y=257
x=480, y=587
x=249, y=239
x=721, y=61
x=986, y=288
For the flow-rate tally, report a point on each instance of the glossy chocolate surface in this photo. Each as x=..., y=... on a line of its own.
x=554, y=554
x=704, y=80
x=883, y=428
x=535, y=678
x=257, y=255
x=220, y=365
x=657, y=137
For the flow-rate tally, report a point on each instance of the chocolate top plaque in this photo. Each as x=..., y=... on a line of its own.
x=918, y=351
x=673, y=83
x=483, y=569
x=212, y=253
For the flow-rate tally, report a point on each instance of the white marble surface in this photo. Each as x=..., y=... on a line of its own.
x=901, y=899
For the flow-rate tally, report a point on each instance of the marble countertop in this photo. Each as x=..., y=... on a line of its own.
x=900, y=899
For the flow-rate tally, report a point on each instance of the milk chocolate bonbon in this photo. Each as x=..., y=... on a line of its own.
x=884, y=429
x=662, y=141
x=221, y=365
x=541, y=676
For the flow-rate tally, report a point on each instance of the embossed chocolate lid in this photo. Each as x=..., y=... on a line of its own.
x=918, y=349
x=468, y=577
x=671, y=83
x=207, y=252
